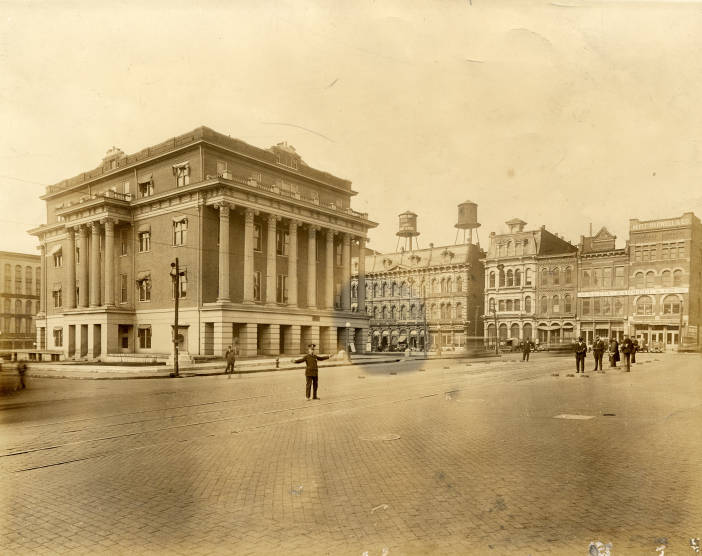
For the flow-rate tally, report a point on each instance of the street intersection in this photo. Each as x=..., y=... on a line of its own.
x=452, y=456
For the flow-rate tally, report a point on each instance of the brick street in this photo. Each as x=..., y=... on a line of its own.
x=440, y=457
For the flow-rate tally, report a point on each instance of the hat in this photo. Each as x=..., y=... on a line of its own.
x=580, y=339
x=312, y=346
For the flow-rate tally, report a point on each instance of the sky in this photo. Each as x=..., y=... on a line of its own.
x=564, y=113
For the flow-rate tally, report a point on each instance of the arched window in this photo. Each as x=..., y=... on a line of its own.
x=667, y=279
x=517, y=304
x=449, y=285
x=459, y=311
x=434, y=312
x=567, y=303
x=644, y=305
x=527, y=277
x=376, y=290
x=544, y=277
x=491, y=331
x=502, y=277
x=514, y=331
x=375, y=312
x=510, y=277
x=503, y=331
x=510, y=248
x=18, y=279
x=527, y=304
x=8, y=305
x=491, y=304
x=677, y=277
x=501, y=305
x=568, y=275
x=403, y=313
x=671, y=305
x=555, y=276
x=526, y=331
x=491, y=283
x=639, y=280
x=18, y=307
x=650, y=279
x=443, y=285
x=28, y=281
x=28, y=308
x=392, y=313
x=384, y=313
x=413, y=311
x=435, y=285
x=459, y=284
x=509, y=305
x=517, y=277
x=556, y=304
x=544, y=304
x=383, y=287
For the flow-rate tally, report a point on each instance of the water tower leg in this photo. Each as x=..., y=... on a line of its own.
x=470, y=236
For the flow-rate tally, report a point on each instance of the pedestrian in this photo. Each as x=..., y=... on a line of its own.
x=22, y=370
x=580, y=353
x=635, y=348
x=627, y=348
x=311, y=370
x=613, y=352
x=598, y=349
x=230, y=359
x=526, y=350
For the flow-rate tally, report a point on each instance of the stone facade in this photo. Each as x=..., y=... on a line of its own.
x=262, y=238
x=20, y=284
x=409, y=295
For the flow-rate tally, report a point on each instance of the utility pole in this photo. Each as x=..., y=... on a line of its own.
x=426, y=333
x=175, y=276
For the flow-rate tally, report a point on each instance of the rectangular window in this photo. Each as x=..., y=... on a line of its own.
x=619, y=277
x=144, y=289
x=607, y=277
x=637, y=253
x=180, y=232
x=58, y=259
x=144, y=242
x=221, y=168
x=257, y=237
x=586, y=278
x=182, y=174
x=596, y=306
x=597, y=277
x=282, y=288
x=282, y=241
x=144, y=334
x=123, y=242
x=339, y=251
x=146, y=188
x=681, y=250
x=58, y=337
x=257, y=286
x=123, y=288
x=57, y=298
x=125, y=188
x=586, y=306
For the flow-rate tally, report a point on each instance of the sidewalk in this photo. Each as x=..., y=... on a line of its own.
x=256, y=365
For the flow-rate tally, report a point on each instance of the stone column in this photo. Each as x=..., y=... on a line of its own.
x=109, y=265
x=271, y=261
x=312, y=267
x=329, y=271
x=223, y=292
x=71, y=270
x=95, y=264
x=248, y=256
x=292, y=265
x=346, y=274
x=291, y=340
x=84, y=276
x=44, y=287
x=362, y=275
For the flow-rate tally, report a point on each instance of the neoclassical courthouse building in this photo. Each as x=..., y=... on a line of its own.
x=264, y=242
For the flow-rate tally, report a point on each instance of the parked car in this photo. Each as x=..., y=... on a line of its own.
x=656, y=347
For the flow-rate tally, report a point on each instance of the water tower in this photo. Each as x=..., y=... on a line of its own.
x=467, y=220
x=408, y=230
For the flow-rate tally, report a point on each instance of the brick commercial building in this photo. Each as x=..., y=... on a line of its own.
x=20, y=283
x=264, y=242
x=413, y=294
x=603, y=283
x=529, y=277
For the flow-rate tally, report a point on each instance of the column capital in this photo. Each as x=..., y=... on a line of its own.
x=346, y=237
x=82, y=229
x=109, y=224
x=95, y=226
x=249, y=214
x=272, y=218
x=223, y=208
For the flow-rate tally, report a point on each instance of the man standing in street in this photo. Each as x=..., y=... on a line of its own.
x=580, y=353
x=230, y=358
x=311, y=370
x=634, y=349
x=627, y=348
x=613, y=352
x=598, y=349
x=526, y=349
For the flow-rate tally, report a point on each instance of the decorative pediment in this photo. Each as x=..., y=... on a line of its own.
x=603, y=235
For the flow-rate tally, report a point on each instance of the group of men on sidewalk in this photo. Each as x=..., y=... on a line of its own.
x=629, y=348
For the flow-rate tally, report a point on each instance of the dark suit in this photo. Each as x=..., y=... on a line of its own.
x=311, y=371
x=627, y=348
x=598, y=349
x=580, y=353
x=614, y=353
x=526, y=350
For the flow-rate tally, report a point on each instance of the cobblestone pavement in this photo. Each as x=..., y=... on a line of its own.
x=437, y=457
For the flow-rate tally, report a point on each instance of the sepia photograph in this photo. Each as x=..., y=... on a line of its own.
x=371, y=278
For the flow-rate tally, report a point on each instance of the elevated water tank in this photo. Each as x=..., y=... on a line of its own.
x=467, y=216
x=408, y=225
